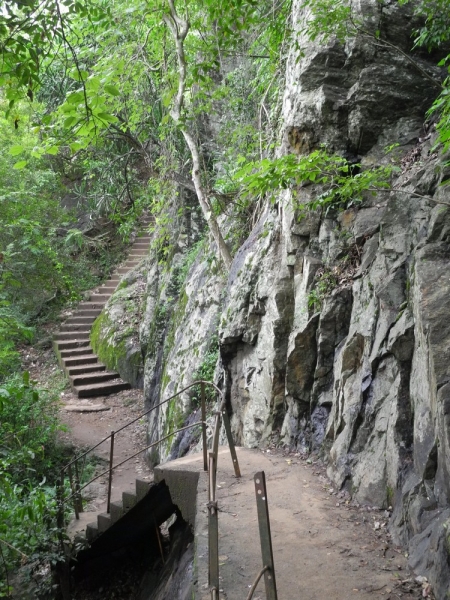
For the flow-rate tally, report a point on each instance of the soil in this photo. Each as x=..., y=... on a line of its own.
x=325, y=545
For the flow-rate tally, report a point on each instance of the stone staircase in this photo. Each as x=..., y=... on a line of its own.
x=130, y=521
x=87, y=375
x=117, y=510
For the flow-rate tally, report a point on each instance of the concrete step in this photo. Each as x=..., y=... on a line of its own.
x=126, y=269
x=101, y=389
x=85, y=359
x=100, y=297
x=142, y=489
x=91, y=531
x=72, y=335
x=131, y=263
x=116, y=511
x=81, y=370
x=85, y=311
x=80, y=326
x=87, y=378
x=103, y=522
x=81, y=320
x=128, y=500
x=70, y=344
x=75, y=352
x=89, y=305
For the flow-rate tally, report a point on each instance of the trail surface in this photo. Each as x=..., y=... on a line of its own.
x=326, y=547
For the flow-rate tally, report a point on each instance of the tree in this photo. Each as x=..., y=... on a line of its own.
x=179, y=28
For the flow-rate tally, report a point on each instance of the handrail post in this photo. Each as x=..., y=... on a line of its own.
x=234, y=458
x=111, y=459
x=72, y=488
x=60, y=505
x=264, y=534
x=213, y=530
x=205, y=449
x=78, y=497
x=217, y=426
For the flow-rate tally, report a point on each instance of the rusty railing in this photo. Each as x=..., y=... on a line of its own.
x=74, y=471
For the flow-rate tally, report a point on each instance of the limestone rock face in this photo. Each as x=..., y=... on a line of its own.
x=115, y=334
x=333, y=329
x=361, y=373
x=180, y=335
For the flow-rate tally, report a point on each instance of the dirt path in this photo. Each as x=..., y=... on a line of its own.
x=325, y=546
x=86, y=429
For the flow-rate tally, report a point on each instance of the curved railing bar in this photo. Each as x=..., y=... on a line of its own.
x=220, y=414
x=255, y=583
x=77, y=458
x=199, y=381
x=130, y=457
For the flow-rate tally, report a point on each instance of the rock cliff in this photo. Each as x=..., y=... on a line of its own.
x=333, y=329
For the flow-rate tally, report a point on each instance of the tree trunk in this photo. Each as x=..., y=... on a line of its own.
x=179, y=28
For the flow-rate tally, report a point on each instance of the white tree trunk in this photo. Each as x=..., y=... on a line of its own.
x=179, y=29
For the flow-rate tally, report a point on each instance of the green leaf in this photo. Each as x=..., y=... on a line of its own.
x=20, y=165
x=107, y=117
x=75, y=98
x=16, y=150
x=69, y=121
x=52, y=150
x=112, y=90
x=78, y=74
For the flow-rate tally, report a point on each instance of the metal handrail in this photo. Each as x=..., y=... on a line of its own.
x=213, y=510
x=75, y=484
x=195, y=383
x=133, y=456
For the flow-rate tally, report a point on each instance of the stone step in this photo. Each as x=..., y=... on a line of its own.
x=70, y=344
x=87, y=378
x=116, y=511
x=126, y=269
x=71, y=335
x=89, y=305
x=81, y=320
x=81, y=370
x=86, y=359
x=142, y=488
x=91, y=531
x=131, y=263
x=128, y=500
x=85, y=311
x=100, y=297
x=75, y=352
x=103, y=522
x=140, y=245
x=106, y=289
x=101, y=389
x=80, y=326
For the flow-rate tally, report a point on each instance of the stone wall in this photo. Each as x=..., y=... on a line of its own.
x=359, y=369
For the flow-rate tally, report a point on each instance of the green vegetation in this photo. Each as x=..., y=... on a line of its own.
x=206, y=372
x=29, y=463
x=342, y=185
x=110, y=109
